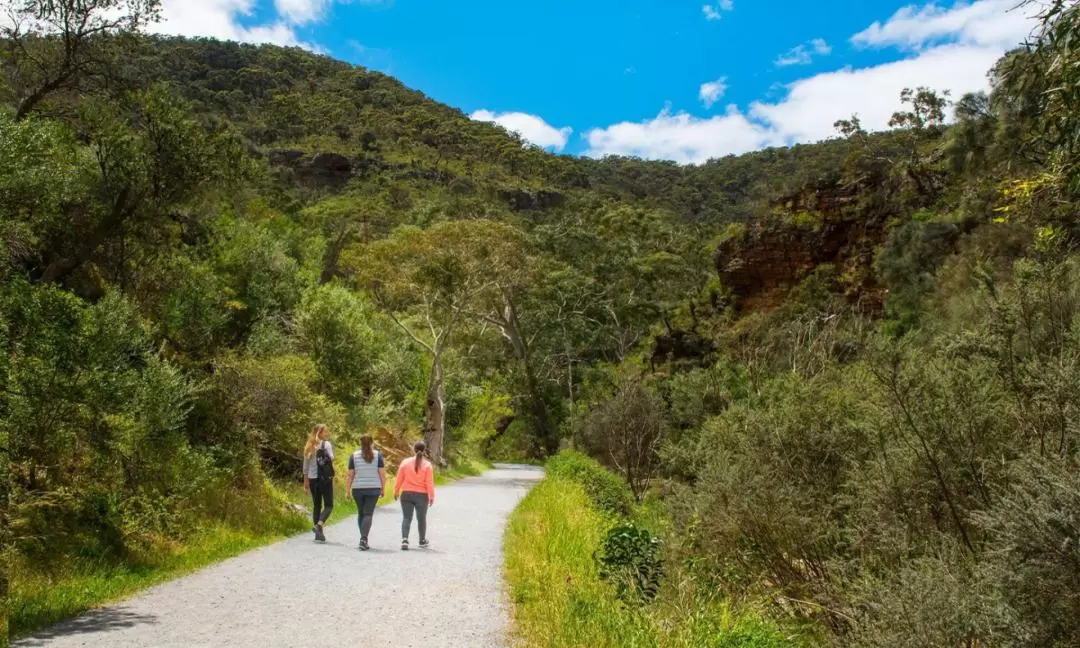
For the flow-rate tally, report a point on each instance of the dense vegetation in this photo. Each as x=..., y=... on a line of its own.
x=848, y=373
x=626, y=595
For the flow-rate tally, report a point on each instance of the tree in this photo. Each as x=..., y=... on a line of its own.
x=430, y=282
x=152, y=161
x=53, y=45
x=920, y=122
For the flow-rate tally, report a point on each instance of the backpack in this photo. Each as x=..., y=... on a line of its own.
x=324, y=463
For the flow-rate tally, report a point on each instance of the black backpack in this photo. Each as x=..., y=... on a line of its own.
x=324, y=463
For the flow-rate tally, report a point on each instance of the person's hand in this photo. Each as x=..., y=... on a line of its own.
x=307, y=488
x=395, y=496
x=431, y=503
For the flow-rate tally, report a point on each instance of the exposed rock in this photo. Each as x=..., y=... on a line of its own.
x=286, y=157
x=524, y=200
x=320, y=169
x=682, y=347
x=822, y=225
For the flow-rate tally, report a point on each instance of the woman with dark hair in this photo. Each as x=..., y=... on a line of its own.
x=415, y=485
x=367, y=481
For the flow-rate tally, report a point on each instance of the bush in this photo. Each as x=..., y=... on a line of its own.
x=627, y=428
x=1034, y=557
x=605, y=490
x=629, y=557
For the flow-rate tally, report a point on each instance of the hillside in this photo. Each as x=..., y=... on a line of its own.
x=840, y=381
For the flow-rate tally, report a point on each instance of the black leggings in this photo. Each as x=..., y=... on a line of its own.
x=322, y=500
x=410, y=502
x=366, y=499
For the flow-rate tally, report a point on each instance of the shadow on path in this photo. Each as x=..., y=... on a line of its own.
x=100, y=620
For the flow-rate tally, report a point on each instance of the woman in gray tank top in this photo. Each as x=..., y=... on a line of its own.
x=367, y=481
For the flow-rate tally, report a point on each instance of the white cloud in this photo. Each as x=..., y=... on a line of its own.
x=712, y=91
x=301, y=12
x=821, y=47
x=955, y=49
x=804, y=54
x=531, y=128
x=681, y=137
x=812, y=105
x=795, y=56
x=715, y=12
x=985, y=22
x=220, y=19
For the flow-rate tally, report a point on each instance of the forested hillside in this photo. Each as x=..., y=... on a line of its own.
x=847, y=373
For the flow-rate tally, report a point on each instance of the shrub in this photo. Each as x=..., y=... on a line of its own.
x=627, y=429
x=1034, y=556
x=629, y=557
x=605, y=490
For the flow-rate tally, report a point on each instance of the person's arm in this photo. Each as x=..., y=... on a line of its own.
x=307, y=480
x=400, y=481
x=351, y=475
x=382, y=476
x=431, y=484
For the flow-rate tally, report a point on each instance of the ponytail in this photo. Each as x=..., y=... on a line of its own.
x=419, y=463
x=365, y=444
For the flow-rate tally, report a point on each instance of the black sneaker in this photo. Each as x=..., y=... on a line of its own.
x=363, y=545
x=319, y=537
x=424, y=544
x=404, y=544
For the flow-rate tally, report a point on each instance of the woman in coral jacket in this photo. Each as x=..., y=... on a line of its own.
x=415, y=486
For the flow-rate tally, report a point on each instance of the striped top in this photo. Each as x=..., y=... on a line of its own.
x=367, y=474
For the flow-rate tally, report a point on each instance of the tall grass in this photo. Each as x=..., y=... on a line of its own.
x=559, y=599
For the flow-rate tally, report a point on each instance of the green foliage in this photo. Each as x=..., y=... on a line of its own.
x=335, y=327
x=629, y=557
x=605, y=490
x=183, y=234
x=560, y=599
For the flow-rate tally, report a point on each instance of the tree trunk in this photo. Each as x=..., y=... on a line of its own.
x=435, y=414
x=545, y=440
x=333, y=255
x=58, y=270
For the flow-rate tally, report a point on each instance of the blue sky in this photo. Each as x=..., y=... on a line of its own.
x=672, y=79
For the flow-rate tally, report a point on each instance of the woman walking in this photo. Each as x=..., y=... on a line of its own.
x=367, y=481
x=415, y=485
x=319, y=477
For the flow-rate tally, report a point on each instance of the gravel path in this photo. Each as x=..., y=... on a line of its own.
x=298, y=593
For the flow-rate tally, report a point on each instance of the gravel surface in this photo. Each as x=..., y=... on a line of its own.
x=299, y=593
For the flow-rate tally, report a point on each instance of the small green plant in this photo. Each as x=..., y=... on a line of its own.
x=629, y=557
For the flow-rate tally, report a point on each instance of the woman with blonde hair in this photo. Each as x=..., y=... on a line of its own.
x=319, y=477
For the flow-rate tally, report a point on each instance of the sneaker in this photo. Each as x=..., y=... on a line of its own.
x=363, y=545
x=404, y=544
x=424, y=544
x=319, y=536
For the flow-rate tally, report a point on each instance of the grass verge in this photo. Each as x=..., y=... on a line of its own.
x=560, y=600
x=39, y=599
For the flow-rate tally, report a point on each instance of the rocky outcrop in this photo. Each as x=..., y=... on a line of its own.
x=321, y=169
x=679, y=347
x=761, y=261
x=524, y=200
